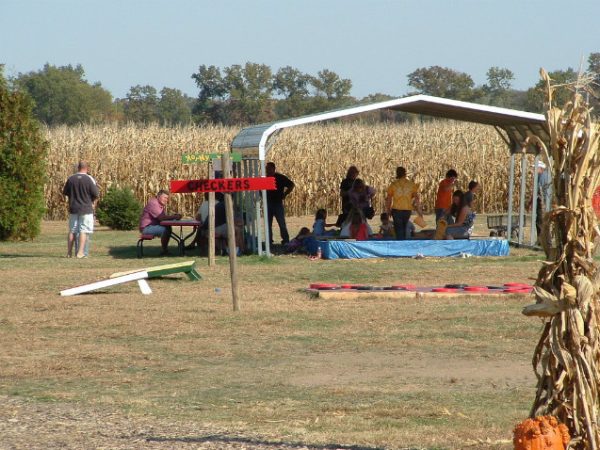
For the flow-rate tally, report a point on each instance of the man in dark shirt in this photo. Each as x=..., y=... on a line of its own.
x=82, y=191
x=275, y=202
x=345, y=187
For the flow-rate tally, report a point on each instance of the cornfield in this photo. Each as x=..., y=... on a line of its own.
x=316, y=157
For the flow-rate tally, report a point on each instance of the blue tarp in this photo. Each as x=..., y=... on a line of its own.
x=389, y=249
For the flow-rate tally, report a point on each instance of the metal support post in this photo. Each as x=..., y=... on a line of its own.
x=263, y=167
x=534, y=212
x=511, y=192
x=522, y=200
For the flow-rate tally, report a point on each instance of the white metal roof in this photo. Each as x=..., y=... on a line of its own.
x=517, y=124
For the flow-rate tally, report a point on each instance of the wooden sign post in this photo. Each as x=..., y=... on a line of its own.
x=211, y=222
x=199, y=158
x=226, y=185
x=235, y=294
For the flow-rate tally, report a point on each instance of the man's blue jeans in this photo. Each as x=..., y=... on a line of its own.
x=278, y=211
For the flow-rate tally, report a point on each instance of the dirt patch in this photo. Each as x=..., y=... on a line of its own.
x=30, y=426
x=369, y=367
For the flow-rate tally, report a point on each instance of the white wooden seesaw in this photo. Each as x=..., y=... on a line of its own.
x=139, y=275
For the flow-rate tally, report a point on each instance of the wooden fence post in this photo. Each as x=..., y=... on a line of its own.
x=231, y=235
x=211, y=220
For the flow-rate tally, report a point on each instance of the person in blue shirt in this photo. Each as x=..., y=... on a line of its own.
x=321, y=223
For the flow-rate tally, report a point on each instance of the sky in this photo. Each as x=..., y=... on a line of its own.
x=374, y=43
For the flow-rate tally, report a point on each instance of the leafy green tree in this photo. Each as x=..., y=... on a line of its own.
x=61, y=95
x=330, y=91
x=498, y=85
x=329, y=84
x=382, y=115
x=536, y=94
x=249, y=91
x=293, y=85
x=209, y=107
x=141, y=104
x=442, y=82
x=174, y=107
x=22, y=165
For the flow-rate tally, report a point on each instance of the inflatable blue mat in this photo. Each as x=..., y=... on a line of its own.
x=332, y=249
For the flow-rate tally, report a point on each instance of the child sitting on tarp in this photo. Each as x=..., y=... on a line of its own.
x=304, y=242
x=386, y=229
x=321, y=223
x=356, y=226
x=355, y=216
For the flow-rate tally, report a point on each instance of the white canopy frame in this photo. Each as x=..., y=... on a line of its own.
x=513, y=126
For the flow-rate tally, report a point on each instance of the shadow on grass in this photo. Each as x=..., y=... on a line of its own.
x=216, y=438
x=130, y=252
x=19, y=255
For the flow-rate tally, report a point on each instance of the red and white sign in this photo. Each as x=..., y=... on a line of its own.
x=223, y=185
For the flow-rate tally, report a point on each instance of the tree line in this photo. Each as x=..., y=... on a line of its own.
x=254, y=93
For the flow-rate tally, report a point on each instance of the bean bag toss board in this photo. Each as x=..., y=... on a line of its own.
x=357, y=291
x=138, y=275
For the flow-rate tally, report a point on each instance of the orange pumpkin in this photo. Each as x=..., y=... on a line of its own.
x=541, y=433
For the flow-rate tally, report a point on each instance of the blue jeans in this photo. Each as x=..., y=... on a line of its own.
x=156, y=230
x=401, y=218
x=278, y=211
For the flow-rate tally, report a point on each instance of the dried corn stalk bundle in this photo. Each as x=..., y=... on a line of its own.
x=567, y=357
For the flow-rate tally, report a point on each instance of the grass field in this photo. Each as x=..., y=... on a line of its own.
x=179, y=369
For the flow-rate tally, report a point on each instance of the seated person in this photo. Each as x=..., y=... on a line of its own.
x=358, y=227
x=153, y=214
x=201, y=238
x=320, y=224
x=202, y=213
x=465, y=220
x=345, y=231
x=457, y=200
x=450, y=214
x=386, y=229
x=304, y=242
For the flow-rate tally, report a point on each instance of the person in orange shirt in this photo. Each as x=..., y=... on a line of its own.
x=402, y=195
x=443, y=199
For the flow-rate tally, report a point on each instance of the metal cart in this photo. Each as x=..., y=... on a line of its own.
x=498, y=225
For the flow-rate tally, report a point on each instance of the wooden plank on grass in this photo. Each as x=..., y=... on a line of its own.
x=166, y=269
x=104, y=283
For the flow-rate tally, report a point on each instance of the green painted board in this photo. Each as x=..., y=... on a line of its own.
x=187, y=267
x=197, y=158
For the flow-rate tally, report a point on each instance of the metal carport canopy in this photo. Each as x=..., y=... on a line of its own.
x=517, y=124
